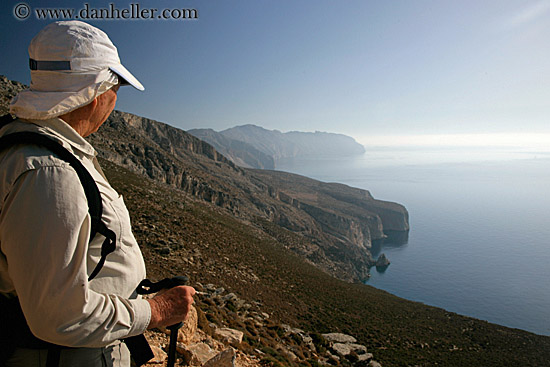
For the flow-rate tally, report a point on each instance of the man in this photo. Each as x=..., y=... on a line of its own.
x=45, y=257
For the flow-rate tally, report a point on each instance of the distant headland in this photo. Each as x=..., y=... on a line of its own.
x=253, y=146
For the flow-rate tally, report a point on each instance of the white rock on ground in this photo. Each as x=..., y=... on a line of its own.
x=358, y=348
x=229, y=335
x=223, y=359
x=160, y=355
x=364, y=357
x=341, y=349
x=339, y=338
x=196, y=354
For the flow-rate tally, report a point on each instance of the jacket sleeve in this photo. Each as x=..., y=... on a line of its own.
x=44, y=229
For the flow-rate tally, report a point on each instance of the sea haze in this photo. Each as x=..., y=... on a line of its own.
x=479, y=243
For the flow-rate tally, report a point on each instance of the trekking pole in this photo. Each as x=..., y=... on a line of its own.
x=147, y=287
x=173, y=344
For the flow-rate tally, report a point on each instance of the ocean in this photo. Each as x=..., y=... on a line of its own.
x=479, y=243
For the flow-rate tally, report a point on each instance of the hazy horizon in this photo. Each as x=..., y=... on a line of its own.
x=522, y=143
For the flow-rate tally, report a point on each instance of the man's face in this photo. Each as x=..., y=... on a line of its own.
x=106, y=105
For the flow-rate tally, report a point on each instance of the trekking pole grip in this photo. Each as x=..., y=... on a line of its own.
x=147, y=287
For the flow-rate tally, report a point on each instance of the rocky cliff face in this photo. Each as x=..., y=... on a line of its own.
x=8, y=90
x=337, y=223
x=241, y=153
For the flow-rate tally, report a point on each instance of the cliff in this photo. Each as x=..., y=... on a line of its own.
x=241, y=153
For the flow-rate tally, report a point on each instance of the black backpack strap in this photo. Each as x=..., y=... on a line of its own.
x=95, y=206
x=6, y=119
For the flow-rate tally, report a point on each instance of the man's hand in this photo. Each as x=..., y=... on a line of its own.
x=170, y=307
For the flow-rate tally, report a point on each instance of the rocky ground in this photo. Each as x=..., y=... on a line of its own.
x=204, y=340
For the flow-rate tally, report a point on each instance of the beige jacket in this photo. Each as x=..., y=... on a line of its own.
x=45, y=258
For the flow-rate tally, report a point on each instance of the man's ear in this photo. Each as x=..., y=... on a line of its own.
x=93, y=104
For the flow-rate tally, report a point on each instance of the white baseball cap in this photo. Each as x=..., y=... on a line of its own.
x=71, y=63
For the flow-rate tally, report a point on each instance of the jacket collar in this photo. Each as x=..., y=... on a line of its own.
x=66, y=134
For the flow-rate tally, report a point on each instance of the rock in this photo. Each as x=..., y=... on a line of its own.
x=229, y=335
x=189, y=328
x=223, y=359
x=290, y=330
x=230, y=297
x=382, y=261
x=210, y=287
x=366, y=357
x=342, y=349
x=160, y=355
x=374, y=364
x=240, y=304
x=165, y=251
x=345, y=349
x=308, y=341
x=339, y=338
x=364, y=360
x=293, y=357
x=358, y=348
x=195, y=354
x=258, y=319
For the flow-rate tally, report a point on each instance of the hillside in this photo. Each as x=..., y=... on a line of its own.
x=273, y=239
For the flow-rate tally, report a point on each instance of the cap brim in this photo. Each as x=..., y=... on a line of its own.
x=121, y=71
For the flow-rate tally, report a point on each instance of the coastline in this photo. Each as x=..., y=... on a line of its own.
x=469, y=221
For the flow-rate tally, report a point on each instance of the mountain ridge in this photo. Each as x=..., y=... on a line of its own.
x=294, y=143
x=258, y=141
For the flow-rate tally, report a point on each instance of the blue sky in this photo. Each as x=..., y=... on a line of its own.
x=376, y=70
